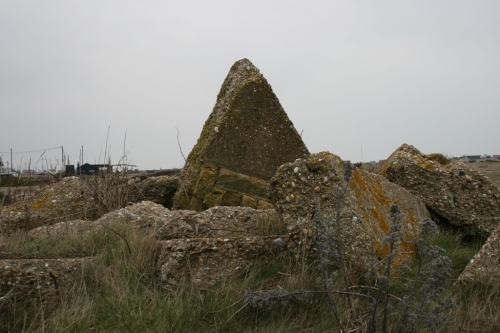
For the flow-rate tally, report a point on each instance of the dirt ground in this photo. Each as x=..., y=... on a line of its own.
x=489, y=169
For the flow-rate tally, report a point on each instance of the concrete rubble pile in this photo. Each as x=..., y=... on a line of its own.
x=251, y=193
x=239, y=234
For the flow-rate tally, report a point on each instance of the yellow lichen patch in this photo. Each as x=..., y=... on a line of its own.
x=426, y=164
x=381, y=198
x=42, y=202
x=411, y=216
x=380, y=220
x=358, y=180
x=381, y=251
x=408, y=248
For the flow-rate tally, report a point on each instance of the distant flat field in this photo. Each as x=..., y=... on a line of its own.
x=489, y=169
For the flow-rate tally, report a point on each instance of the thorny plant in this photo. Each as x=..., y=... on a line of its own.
x=388, y=304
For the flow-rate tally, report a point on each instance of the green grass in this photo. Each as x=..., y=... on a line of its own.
x=459, y=251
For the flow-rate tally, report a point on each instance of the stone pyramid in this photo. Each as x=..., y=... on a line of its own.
x=244, y=140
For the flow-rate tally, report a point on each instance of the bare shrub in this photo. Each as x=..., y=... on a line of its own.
x=110, y=191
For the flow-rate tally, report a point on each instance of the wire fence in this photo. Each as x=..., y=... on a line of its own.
x=33, y=160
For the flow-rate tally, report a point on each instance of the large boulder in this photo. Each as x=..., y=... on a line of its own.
x=207, y=261
x=452, y=191
x=484, y=268
x=244, y=140
x=66, y=200
x=227, y=221
x=306, y=194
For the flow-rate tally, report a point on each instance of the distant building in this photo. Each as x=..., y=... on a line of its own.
x=70, y=170
x=4, y=170
x=473, y=157
x=94, y=169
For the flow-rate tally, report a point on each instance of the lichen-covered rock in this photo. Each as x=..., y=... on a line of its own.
x=484, y=268
x=246, y=137
x=456, y=193
x=63, y=201
x=313, y=185
x=207, y=261
x=159, y=190
x=40, y=280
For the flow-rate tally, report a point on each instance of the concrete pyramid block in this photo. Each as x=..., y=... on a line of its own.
x=244, y=140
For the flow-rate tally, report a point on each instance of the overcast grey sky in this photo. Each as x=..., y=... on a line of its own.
x=359, y=78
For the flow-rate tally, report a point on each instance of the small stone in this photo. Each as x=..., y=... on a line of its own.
x=279, y=242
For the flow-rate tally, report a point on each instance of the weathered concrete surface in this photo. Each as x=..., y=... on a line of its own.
x=246, y=137
x=63, y=201
x=207, y=261
x=453, y=191
x=163, y=223
x=317, y=181
x=38, y=279
x=484, y=268
x=62, y=230
x=214, y=222
x=160, y=190
x=237, y=222
x=148, y=216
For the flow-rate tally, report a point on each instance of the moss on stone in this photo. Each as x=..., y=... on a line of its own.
x=440, y=158
x=247, y=201
x=231, y=199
